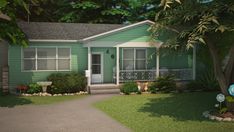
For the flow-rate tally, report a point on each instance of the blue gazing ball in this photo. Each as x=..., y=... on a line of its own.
x=231, y=90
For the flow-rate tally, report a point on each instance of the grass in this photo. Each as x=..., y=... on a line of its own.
x=11, y=101
x=165, y=112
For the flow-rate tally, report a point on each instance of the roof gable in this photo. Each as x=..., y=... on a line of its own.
x=147, y=22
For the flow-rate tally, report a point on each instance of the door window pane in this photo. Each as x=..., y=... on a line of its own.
x=96, y=69
x=96, y=59
x=29, y=65
x=29, y=53
x=63, y=53
x=46, y=52
x=64, y=64
x=46, y=64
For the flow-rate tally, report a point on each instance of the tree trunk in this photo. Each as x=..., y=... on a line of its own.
x=219, y=74
x=229, y=69
x=223, y=78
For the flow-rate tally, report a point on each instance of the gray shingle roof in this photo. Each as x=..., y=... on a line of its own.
x=64, y=31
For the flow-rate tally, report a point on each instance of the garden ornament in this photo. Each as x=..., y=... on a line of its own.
x=231, y=90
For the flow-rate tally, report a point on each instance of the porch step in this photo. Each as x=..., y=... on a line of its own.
x=104, y=89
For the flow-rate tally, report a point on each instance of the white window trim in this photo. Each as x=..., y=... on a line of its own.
x=134, y=58
x=36, y=59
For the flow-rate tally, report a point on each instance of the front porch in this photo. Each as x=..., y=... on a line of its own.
x=143, y=61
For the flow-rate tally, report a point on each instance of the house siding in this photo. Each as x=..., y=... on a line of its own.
x=138, y=34
x=175, y=59
x=79, y=60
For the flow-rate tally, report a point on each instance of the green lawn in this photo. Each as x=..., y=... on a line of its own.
x=11, y=101
x=165, y=112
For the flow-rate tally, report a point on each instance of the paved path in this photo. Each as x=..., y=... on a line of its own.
x=70, y=116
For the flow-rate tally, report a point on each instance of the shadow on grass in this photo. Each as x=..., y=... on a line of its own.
x=180, y=107
x=12, y=101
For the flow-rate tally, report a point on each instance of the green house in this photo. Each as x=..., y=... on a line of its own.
x=106, y=53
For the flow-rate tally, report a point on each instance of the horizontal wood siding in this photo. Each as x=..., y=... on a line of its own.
x=78, y=63
x=138, y=34
x=175, y=59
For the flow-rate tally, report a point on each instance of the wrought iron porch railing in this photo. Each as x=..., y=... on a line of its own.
x=140, y=75
x=150, y=75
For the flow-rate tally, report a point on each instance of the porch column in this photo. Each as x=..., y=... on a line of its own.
x=117, y=65
x=194, y=62
x=157, y=62
x=89, y=65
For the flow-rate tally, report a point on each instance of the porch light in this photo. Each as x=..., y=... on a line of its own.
x=107, y=51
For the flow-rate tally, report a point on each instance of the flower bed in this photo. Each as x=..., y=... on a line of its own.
x=212, y=115
x=48, y=94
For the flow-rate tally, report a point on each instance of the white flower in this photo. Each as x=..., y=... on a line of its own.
x=216, y=105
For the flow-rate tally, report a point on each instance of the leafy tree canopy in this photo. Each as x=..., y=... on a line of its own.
x=9, y=30
x=191, y=22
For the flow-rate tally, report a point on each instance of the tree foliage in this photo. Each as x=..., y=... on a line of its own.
x=91, y=11
x=9, y=30
x=192, y=22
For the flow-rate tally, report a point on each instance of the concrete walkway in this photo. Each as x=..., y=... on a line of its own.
x=70, y=116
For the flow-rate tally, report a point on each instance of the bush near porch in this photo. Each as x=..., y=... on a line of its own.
x=66, y=83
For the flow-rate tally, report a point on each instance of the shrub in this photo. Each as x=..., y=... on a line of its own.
x=34, y=88
x=165, y=84
x=54, y=90
x=129, y=87
x=66, y=83
x=206, y=81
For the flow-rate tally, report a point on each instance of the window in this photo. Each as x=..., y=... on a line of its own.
x=134, y=59
x=46, y=59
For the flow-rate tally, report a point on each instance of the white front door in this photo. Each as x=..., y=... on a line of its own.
x=96, y=76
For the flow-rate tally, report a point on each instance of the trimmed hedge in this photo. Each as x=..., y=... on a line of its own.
x=66, y=83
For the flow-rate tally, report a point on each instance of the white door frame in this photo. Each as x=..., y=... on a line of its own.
x=101, y=54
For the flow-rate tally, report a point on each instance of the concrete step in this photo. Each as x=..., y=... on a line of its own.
x=104, y=87
x=105, y=91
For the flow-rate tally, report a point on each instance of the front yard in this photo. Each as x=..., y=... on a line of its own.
x=11, y=101
x=165, y=112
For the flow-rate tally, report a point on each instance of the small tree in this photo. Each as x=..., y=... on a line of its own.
x=197, y=22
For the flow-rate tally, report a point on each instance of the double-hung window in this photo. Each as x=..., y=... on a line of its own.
x=46, y=59
x=134, y=59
